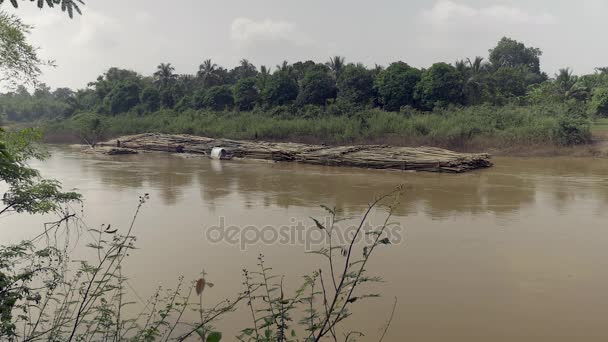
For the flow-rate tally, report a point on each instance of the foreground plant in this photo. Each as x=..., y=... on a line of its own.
x=41, y=299
x=326, y=295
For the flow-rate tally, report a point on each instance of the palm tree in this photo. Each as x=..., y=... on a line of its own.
x=245, y=69
x=565, y=82
x=283, y=66
x=288, y=69
x=602, y=70
x=477, y=65
x=207, y=72
x=377, y=69
x=264, y=70
x=263, y=77
x=565, y=79
x=164, y=75
x=473, y=73
x=462, y=66
x=336, y=63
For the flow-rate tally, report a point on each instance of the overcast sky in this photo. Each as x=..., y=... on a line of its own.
x=139, y=34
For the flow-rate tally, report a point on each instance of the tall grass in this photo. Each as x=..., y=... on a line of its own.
x=456, y=127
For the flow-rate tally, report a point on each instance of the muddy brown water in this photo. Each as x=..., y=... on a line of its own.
x=515, y=252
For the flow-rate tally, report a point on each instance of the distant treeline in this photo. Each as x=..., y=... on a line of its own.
x=511, y=75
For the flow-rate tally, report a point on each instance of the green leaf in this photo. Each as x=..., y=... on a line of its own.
x=385, y=241
x=214, y=336
x=318, y=224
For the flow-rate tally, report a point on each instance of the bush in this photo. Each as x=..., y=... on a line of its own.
x=219, y=98
x=599, y=101
x=572, y=130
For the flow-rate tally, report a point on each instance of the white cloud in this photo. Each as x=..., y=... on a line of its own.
x=143, y=18
x=245, y=31
x=446, y=12
x=97, y=28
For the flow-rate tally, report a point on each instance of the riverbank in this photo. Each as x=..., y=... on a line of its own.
x=465, y=129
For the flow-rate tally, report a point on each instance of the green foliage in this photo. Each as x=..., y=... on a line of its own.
x=439, y=86
x=123, y=97
x=90, y=127
x=572, y=130
x=321, y=93
x=164, y=76
x=245, y=69
x=246, y=94
x=150, y=98
x=27, y=192
x=508, y=82
x=281, y=89
x=219, y=98
x=21, y=106
x=512, y=54
x=68, y=6
x=396, y=86
x=355, y=84
x=19, y=61
x=485, y=125
x=599, y=101
x=167, y=98
x=336, y=64
x=317, y=86
x=214, y=336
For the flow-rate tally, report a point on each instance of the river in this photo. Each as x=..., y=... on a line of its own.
x=515, y=252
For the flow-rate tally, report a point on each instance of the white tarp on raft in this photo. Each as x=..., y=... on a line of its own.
x=218, y=153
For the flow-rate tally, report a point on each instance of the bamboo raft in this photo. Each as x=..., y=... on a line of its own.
x=429, y=159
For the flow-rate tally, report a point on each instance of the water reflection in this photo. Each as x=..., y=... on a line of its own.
x=512, y=185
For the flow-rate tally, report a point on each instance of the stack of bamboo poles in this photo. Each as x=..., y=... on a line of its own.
x=365, y=156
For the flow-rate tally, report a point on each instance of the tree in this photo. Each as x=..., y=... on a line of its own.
x=284, y=67
x=150, y=98
x=123, y=97
x=42, y=91
x=164, y=75
x=508, y=82
x=219, y=97
x=19, y=61
x=474, y=73
x=439, y=86
x=281, y=89
x=64, y=94
x=317, y=87
x=599, y=101
x=246, y=94
x=601, y=70
x=565, y=80
x=244, y=70
x=208, y=73
x=263, y=77
x=27, y=191
x=335, y=64
x=511, y=53
x=68, y=6
x=300, y=68
x=396, y=86
x=112, y=78
x=356, y=84
x=90, y=127
x=167, y=97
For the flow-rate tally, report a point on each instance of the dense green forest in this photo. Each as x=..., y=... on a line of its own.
x=502, y=99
